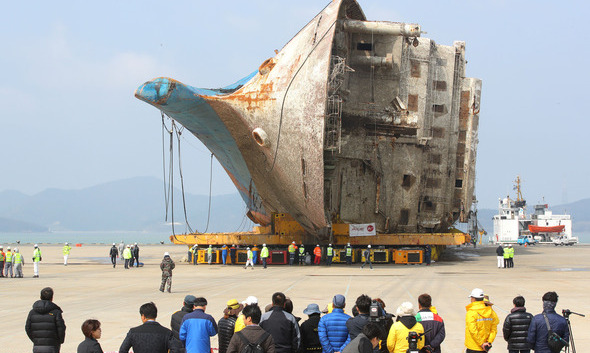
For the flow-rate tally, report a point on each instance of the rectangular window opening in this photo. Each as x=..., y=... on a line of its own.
x=404, y=217
x=364, y=46
x=458, y=183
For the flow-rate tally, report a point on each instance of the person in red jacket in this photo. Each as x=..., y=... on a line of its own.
x=318, y=254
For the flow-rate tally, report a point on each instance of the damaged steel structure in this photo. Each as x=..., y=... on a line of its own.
x=351, y=122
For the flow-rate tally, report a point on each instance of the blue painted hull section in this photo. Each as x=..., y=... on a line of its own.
x=185, y=105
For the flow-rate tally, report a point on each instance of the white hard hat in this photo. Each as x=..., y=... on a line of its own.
x=248, y=248
x=113, y=243
x=318, y=245
x=263, y=244
x=8, y=247
x=210, y=246
x=15, y=249
x=1, y=247
x=369, y=246
x=66, y=243
x=36, y=245
x=329, y=244
x=347, y=244
x=293, y=242
x=166, y=253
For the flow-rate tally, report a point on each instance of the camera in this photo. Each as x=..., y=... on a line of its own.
x=413, y=338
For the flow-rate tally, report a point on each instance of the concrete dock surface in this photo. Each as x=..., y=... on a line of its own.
x=89, y=287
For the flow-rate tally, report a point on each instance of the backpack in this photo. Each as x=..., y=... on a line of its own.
x=252, y=347
x=554, y=341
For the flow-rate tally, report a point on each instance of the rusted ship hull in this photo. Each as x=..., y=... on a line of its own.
x=351, y=122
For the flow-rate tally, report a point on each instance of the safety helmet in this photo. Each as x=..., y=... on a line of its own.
x=113, y=244
x=15, y=249
x=318, y=245
x=263, y=244
x=369, y=246
x=36, y=245
x=329, y=244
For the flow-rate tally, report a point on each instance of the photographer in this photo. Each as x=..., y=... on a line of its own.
x=432, y=323
x=538, y=331
x=481, y=323
x=366, y=341
x=397, y=340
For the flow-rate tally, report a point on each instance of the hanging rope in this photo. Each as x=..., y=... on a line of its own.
x=178, y=133
x=210, y=183
x=164, y=128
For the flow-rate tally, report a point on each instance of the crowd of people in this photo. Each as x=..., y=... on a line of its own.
x=371, y=329
x=505, y=256
x=12, y=261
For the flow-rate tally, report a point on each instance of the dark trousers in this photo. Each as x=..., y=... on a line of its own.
x=137, y=261
x=126, y=263
x=131, y=262
x=301, y=259
x=1, y=268
x=232, y=255
x=349, y=260
x=264, y=262
x=511, y=262
x=367, y=261
x=114, y=260
x=329, y=260
x=291, y=259
x=519, y=351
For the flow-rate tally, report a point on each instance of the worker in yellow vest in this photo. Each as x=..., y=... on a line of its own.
x=127, y=256
x=264, y=255
x=329, y=255
x=301, y=255
x=66, y=252
x=36, y=259
x=18, y=260
x=2, y=258
x=210, y=254
x=348, y=254
x=291, y=249
x=8, y=263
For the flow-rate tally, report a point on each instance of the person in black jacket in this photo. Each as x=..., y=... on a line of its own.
x=310, y=341
x=45, y=325
x=188, y=305
x=355, y=324
x=151, y=337
x=281, y=325
x=227, y=324
x=114, y=253
x=92, y=332
x=500, y=256
x=516, y=327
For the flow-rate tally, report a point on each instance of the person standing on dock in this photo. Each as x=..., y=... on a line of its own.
x=127, y=256
x=132, y=258
x=500, y=256
x=114, y=253
x=36, y=259
x=291, y=249
x=510, y=256
x=506, y=256
x=8, y=263
x=249, y=258
x=348, y=254
x=481, y=323
x=167, y=265
x=224, y=254
x=264, y=255
x=19, y=261
x=318, y=255
x=136, y=254
x=45, y=325
x=255, y=251
x=329, y=255
x=2, y=259
x=301, y=255
x=66, y=252
x=367, y=255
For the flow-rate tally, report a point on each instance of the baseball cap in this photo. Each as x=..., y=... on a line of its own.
x=339, y=301
x=190, y=300
x=250, y=300
x=477, y=293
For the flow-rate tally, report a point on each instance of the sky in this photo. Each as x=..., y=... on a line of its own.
x=69, y=119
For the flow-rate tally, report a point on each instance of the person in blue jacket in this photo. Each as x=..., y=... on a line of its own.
x=538, y=333
x=197, y=328
x=332, y=328
x=224, y=249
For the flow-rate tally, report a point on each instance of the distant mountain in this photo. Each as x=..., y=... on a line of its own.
x=135, y=204
x=10, y=225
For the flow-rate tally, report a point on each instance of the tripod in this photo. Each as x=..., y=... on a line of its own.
x=566, y=314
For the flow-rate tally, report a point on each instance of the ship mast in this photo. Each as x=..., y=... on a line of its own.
x=517, y=188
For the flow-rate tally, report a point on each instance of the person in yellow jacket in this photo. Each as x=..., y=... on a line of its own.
x=66, y=251
x=240, y=324
x=480, y=323
x=2, y=259
x=510, y=256
x=397, y=339
x=8, y=263
x=127, y=256
x=291, y=249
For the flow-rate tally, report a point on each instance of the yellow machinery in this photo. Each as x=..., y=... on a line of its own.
x=408, y=256
x=284, y=229
x=378, y=256
x=202, y=256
